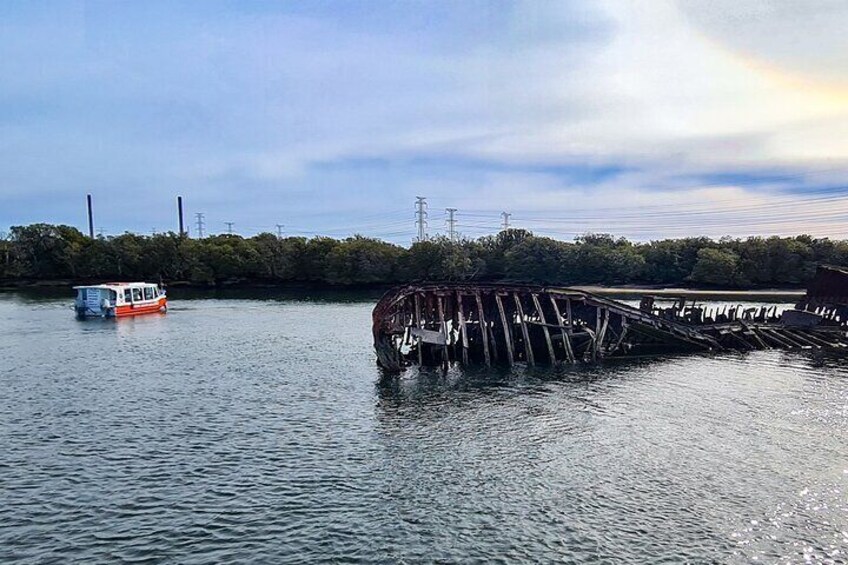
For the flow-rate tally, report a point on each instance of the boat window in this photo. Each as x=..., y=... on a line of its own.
x=148, y=293
x=136, y=294
x=127, y=295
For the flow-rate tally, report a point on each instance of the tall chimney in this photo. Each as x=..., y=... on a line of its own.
x=180, y=212
x=90, y=217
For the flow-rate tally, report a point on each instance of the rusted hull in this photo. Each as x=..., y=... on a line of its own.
x=441, y=324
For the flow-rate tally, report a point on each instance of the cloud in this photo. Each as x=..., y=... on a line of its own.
x=324, y=114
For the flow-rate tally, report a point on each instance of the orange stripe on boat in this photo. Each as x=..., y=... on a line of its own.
x=136, y=309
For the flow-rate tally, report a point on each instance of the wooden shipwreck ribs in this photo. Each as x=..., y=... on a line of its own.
x=439, y=324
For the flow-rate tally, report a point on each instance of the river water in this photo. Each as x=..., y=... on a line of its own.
x=259, y=429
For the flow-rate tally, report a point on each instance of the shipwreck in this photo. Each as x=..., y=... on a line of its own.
x=442, y=324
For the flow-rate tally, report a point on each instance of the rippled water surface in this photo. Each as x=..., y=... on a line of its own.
x=259, y=429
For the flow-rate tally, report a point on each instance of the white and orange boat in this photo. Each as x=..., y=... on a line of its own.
x=117, y=300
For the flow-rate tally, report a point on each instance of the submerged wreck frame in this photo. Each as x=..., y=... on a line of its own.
x=440, y=324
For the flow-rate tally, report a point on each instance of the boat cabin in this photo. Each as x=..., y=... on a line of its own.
x=115, y=300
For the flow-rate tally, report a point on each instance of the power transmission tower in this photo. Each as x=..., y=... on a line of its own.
x=230, y=227
x=200, y=224
x=451, y=222
x=421, y=215
x=505, y=222
x=280, y=231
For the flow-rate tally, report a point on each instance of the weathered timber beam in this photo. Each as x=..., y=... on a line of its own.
x=444, y=324
x=769, y=337
x=591, y=346
x=602, y=333
x=620, y=338
x=420, y=327
x=797, y=336
x=670, y=338
x=484, y=328
x=528, y=347
x=541, y=313
x=741, y=340
x=818, y=338
x=784, y=343
x=462, y=328
x=756, y=336
x=794, y=341
x=507, y=331
x=490, y=329
x=569, y=353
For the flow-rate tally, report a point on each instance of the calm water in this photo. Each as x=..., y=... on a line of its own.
x=260, y=430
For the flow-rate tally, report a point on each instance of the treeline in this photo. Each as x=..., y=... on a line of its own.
x=43, y=252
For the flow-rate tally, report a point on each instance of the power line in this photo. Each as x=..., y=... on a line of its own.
x=706, y=206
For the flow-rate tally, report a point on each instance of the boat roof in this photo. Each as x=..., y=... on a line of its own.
x=116, y=285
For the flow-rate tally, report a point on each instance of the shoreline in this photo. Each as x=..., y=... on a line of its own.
x=760, y=294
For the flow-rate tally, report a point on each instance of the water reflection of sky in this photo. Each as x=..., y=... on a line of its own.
x=263, y=428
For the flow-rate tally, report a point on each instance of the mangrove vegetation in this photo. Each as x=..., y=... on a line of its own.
x=45, y=253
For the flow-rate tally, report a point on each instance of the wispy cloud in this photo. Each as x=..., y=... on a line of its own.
x=328, y=114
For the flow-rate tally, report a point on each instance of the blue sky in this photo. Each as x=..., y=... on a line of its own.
x=641, y=119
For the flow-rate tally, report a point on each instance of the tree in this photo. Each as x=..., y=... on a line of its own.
x=438, y=259
x=716, y=267
x=599, y=258
x=362, y=260
x=537, y=259
x=46, y=252
x=488, y=254
x=670, y=261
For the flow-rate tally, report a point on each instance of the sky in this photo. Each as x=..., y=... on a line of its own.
x=642, y=119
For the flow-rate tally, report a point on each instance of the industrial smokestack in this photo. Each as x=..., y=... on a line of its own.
x=180, y=212
x=90, y=217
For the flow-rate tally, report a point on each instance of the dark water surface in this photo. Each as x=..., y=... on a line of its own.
x=260, y=430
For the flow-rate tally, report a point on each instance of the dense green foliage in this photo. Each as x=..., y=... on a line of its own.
x=42, y=252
